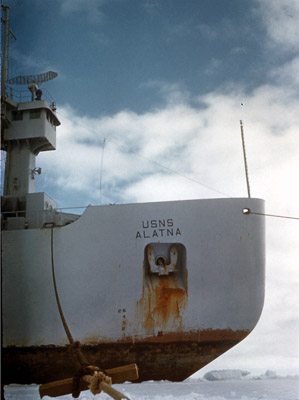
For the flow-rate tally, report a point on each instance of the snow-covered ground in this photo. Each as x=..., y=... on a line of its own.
x=228, y=384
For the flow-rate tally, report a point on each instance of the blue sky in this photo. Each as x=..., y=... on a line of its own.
x=150, y=94
x=114, y=55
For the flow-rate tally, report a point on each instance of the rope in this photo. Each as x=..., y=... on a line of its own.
x=97, y=379
x=63, y=320
x=247, y=211
x=99, y=382
x=74, y=345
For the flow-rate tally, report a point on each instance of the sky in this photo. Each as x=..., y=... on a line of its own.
x=150, y=95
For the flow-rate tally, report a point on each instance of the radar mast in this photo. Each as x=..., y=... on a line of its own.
x=28, y=127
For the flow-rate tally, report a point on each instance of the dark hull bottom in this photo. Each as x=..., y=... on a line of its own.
x=158, y=358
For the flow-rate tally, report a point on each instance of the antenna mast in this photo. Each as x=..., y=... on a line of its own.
x=5, y=50
x=245, y=159
x=7, y=32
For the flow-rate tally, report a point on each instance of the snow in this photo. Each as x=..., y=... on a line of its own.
x=234, y=385
x=225, y=374
x=270, y=374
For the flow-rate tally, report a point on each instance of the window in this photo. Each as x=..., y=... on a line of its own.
x=50, y=118
x=34, y=114
x=17, y=115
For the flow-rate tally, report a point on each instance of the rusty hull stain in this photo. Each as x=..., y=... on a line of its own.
x=203, y=336
x=164, y=299
x=173, y=356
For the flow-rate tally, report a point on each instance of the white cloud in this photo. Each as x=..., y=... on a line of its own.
x=89, y=8
x=213, y=66
x=151, y=6
x=288, y=73
x=32, y=63
x=281, y=22
x=171, y=93
x=207, y=31
x=201, y=143
x=238, y=50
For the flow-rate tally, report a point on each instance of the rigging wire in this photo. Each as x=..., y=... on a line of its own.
x=101, y=172
x=245, y=158
x=247, y=211
x=179, y=173
x=146, y=158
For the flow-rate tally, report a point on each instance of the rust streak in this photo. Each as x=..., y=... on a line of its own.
x=162, y=303
x=164, y=298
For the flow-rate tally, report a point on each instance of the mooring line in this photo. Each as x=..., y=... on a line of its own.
x=247, y=211
x=98, y=380
x=63, y=320
x=75, y=344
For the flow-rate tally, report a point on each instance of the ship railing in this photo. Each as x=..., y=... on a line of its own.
x=58, y=210
x=73, y=207
x=64, y=209
x=52, y=216
x=22, y=96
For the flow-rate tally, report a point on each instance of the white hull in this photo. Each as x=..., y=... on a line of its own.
x=110, y=294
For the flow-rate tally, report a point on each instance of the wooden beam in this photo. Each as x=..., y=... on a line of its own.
x=65, y=386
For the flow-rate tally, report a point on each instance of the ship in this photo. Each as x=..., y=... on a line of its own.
x=167, y=285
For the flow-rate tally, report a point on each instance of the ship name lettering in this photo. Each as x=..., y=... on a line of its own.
x=157, y=223
x=148, y=233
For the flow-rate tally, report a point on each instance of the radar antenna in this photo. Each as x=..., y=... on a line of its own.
x=33, y=81
x=37, y=79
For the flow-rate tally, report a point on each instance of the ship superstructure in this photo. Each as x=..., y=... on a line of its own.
x=167, y=285
x=28, y=127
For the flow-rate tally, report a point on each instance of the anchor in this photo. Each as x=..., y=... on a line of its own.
x=158, y=263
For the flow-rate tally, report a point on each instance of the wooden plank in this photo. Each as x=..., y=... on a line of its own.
x=124, y=373
x=65, y=386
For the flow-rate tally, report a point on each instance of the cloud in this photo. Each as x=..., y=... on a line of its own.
x=151, y=6
x=280, y=19
x=207, y=31
x=200, y=143
x=288, y=73
x=213, y=66
x=171, y=93
x=31, y=63
x=238, y=50
x=89, y=8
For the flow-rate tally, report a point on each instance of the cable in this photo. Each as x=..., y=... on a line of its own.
x=245, y=159
x=247, y=211
x=101, y=171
